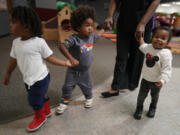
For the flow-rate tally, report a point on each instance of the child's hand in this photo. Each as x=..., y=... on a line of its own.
x=74, y=62
x=139, y=37
x=158, y=84
x=141, y=41
x=139, y=31
x=6, y=79
x=100, y=33
x=68, y=64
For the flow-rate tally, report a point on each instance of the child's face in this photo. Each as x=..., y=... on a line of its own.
x=160, y=39
x=87, y=28
x=18, y=29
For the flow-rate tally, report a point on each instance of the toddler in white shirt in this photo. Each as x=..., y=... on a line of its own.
x=156, y=70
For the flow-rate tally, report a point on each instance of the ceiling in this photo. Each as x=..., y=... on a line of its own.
x=169, y=7
x=166, y=1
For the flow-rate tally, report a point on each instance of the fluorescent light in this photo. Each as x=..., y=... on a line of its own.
x=177, y=3
x=165, y=5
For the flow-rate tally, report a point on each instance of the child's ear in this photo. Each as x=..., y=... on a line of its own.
x=26, y=28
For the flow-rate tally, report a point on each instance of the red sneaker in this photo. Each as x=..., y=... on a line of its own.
x=47, y=109
x=39, y=120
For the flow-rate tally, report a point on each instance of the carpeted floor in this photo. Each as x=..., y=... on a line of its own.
x=175, y=45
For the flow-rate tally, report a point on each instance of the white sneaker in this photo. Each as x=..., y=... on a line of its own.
x=88, y=103
x=61, y=108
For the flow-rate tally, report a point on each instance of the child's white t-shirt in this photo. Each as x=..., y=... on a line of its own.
x=30, y=55
x=159, y=70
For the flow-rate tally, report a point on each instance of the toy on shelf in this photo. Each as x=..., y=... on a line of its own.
x=63, y=17
x=49, y=28
x=58, y=27
x=60, y=5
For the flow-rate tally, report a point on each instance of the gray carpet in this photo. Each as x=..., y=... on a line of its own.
x=13, y=98
x=111, y=116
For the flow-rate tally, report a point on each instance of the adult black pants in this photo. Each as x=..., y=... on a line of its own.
x=129, y=61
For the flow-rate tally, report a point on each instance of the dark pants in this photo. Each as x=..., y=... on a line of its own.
x=80, y=78
x=146, y=86
x=129, y=61
x=37, y=92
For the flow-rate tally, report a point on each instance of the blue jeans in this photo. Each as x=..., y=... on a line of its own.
x=37, y=92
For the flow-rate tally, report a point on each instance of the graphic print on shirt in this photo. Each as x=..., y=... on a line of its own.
x=150, y=60
x=85, y=48
x=66, y=42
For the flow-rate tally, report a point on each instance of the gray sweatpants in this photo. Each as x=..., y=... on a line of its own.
x=80, y=78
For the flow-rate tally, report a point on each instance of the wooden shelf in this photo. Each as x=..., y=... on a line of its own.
x=3, y=9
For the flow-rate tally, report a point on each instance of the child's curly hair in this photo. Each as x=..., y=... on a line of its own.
x=29, y=18
x=82, y=13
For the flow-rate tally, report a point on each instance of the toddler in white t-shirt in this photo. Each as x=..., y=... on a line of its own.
x=29, y=51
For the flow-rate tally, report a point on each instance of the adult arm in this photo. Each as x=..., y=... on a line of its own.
x=145, y=19
x=109, y=20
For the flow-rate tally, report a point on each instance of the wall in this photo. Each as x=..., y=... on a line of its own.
x=19, y=2
x=46, y=4
x=4, y=23
x=101, y=12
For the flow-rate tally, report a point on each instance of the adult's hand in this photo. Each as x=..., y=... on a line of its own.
x=108, y=23
x=139, y=31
